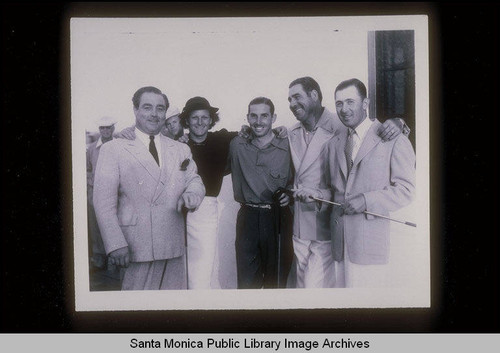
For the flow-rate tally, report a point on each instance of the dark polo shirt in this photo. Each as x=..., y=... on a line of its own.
x=258, y=173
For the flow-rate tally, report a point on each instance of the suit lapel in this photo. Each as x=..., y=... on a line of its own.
x=341, y=140
x=144, y=157
x=314, y=148
x=296, y=147
x=370, y=141
x=168, y=164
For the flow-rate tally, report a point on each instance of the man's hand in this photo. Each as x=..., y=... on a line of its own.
x=127, y=133
x=245, y=132
x=390, y=129
x=357, y=204
x=184, y=138
x=120, y=257
x=284, y=200
x=188, y=200
x=306, y=194
x=281, y=132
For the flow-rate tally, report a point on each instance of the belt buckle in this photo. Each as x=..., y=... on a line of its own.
x=258, y=206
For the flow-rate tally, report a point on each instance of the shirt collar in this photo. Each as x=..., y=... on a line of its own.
x=276, y=142
x=323, y=120
x=143, y=137
x=280, y=143
x=363, y=128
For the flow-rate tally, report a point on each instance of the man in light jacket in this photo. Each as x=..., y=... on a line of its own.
x=365, y=174
x=315, y=265
x=140, y=189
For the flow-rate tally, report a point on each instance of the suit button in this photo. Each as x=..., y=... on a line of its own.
x=347, y=194
x=336, y=221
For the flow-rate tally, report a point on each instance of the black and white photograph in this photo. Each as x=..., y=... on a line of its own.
x=249, y=176
x=250, y=163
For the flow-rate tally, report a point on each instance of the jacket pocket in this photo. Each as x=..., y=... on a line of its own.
x=375, y=236
x=127, y=216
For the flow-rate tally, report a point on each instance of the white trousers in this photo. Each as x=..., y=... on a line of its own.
x=351, y=275
x=202, y=243
x=315, y=264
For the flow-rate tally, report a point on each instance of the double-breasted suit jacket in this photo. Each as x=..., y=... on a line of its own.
x=384, y=172
x=136, y=200
x=310, y=221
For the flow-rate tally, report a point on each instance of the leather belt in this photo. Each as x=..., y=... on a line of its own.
x=255, y=205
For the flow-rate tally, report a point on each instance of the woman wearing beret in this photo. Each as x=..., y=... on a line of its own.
x=210, y=150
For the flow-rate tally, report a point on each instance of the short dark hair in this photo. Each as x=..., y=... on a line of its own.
x=262, y=100
x=360, y=86
x=309, y=84
x=136, y=99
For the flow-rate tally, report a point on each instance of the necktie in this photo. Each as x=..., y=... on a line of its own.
x=153, y=150
x=349, y=145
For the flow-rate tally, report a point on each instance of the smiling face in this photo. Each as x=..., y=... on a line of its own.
x=199, y=122
x=302, y=104
x=260, y=119
x=351, y=107
x=150, y=115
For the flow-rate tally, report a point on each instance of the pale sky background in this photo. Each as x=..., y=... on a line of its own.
x=228, y=61
x=231, y=61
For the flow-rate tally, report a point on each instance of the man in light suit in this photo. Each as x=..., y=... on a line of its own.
x=140, y=189
x=316, y=125
x=106, y=126
x=365, y=175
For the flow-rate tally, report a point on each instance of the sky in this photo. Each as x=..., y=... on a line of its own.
x=228, y=61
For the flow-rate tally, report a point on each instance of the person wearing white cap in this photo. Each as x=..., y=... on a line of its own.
x=173, y=127
x=106, y=125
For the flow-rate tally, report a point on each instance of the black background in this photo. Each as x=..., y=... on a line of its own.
x=37, y=293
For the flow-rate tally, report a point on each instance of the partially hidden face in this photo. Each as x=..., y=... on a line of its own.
x=174, y=125
x=106, y=131
x=302, y=104
x=150, y=115
x=260, y=119
x=199, y=122
x=351, y=107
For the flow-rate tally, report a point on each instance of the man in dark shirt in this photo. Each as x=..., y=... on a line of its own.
x=260, y=167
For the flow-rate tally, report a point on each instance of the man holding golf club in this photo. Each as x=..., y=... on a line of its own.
x=366, y=176
x=260, y=169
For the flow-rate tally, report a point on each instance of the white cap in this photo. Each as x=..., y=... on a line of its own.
x=105, y=121
x=172, y=111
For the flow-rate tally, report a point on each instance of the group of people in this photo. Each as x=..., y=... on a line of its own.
x=153, y=191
